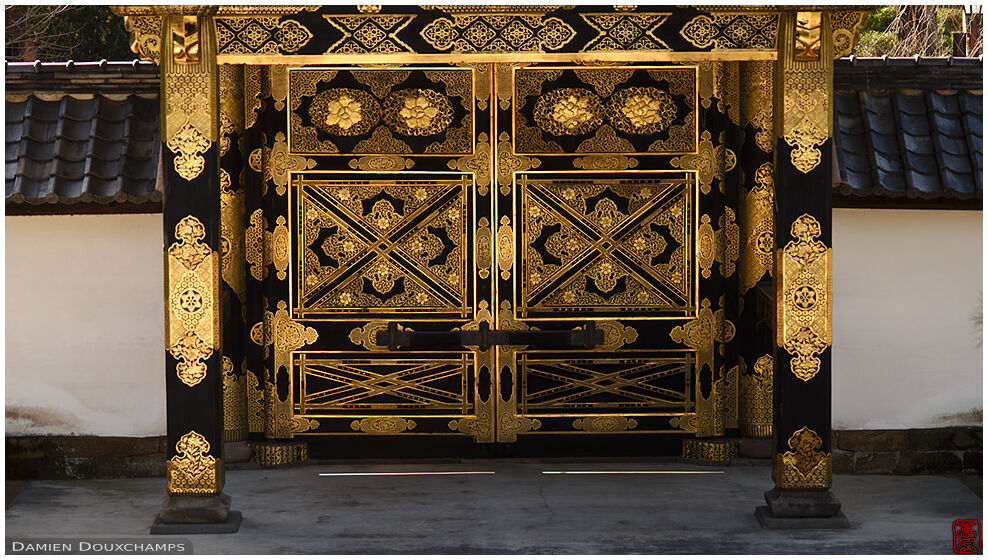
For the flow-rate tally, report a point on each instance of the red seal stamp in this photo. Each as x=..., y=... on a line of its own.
x=967, y=536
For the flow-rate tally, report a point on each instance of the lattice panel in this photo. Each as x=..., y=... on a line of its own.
x=595, y=245
x=385, y=384
x=383, y=245
x=595, y=384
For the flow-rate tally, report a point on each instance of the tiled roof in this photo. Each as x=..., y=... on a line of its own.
x=909, y=127
x=86, y=132
x=89, y=132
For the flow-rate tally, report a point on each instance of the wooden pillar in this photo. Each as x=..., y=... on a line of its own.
x=193, y=298
x=803, y=294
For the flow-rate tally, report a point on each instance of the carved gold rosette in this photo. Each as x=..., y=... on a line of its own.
x=192, y=288
x=805, y=306
x=804, y=466
x=193, y=471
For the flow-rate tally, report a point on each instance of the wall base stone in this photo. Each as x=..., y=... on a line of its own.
x=914, y=451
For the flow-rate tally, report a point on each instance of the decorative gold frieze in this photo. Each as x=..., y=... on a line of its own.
x=369, y=33
x=192, y=288
x=497, y=33
x=756, y=399
x=193, y=471
x=383, y=425
x=260, y=35
x=728, y=30
x=605, y=423
x=804, y=466
x=622, y=32
x=804, y=297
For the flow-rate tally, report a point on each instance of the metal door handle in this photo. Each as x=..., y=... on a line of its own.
x=484, y=337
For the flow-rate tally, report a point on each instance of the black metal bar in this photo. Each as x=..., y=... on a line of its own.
x=588, y=337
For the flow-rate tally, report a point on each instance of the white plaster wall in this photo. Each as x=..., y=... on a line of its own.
x=906, y=284
x=84, y=325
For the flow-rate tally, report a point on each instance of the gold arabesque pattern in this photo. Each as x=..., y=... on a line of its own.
x=804, y=466
x=192, y=290
x=804, y=304
x=192, y=470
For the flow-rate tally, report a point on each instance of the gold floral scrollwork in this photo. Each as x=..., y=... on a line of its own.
x=301, y=424
x=277, y=163
x=706, y=246
x=701, y=333
x=232, y=239
x=616, y=335
x=728, y=239
x=254, y=245
x=610, y=162
x=383, y=425
x=732, y=30
x=710, y=162
x=366, y=336
x=508, y=163
x=756, y=399
x=480, y=427
x=686, y=422
x=805, y=465
x=289, y=335
x=846, y=29
x=190, y=127
x=479, y=164
x=804, y=306
x=193, y=309
x=807, y=118
x=485, y=250
x=280, y=246
x=505, y=247
x=510, y=425
x=605, y=423
x=381, y=163
x=145, y=36
x=756, y=90
x=193, y=471
x=758, y=228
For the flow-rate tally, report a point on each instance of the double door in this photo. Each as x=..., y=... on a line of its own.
x=491, y=250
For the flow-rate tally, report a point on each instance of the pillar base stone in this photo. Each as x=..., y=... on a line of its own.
x=185, y=515
x=236, y=452
x=755, y=448
x=801, y=509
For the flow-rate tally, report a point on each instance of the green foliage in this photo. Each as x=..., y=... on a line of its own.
x=58, y=33
x=910, y=30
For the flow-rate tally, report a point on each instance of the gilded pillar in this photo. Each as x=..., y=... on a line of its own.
x=803, y=294
x=757, y=243
x=193, y=360
x=231, y=131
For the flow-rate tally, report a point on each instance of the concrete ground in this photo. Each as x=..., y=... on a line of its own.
x=516, y=510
